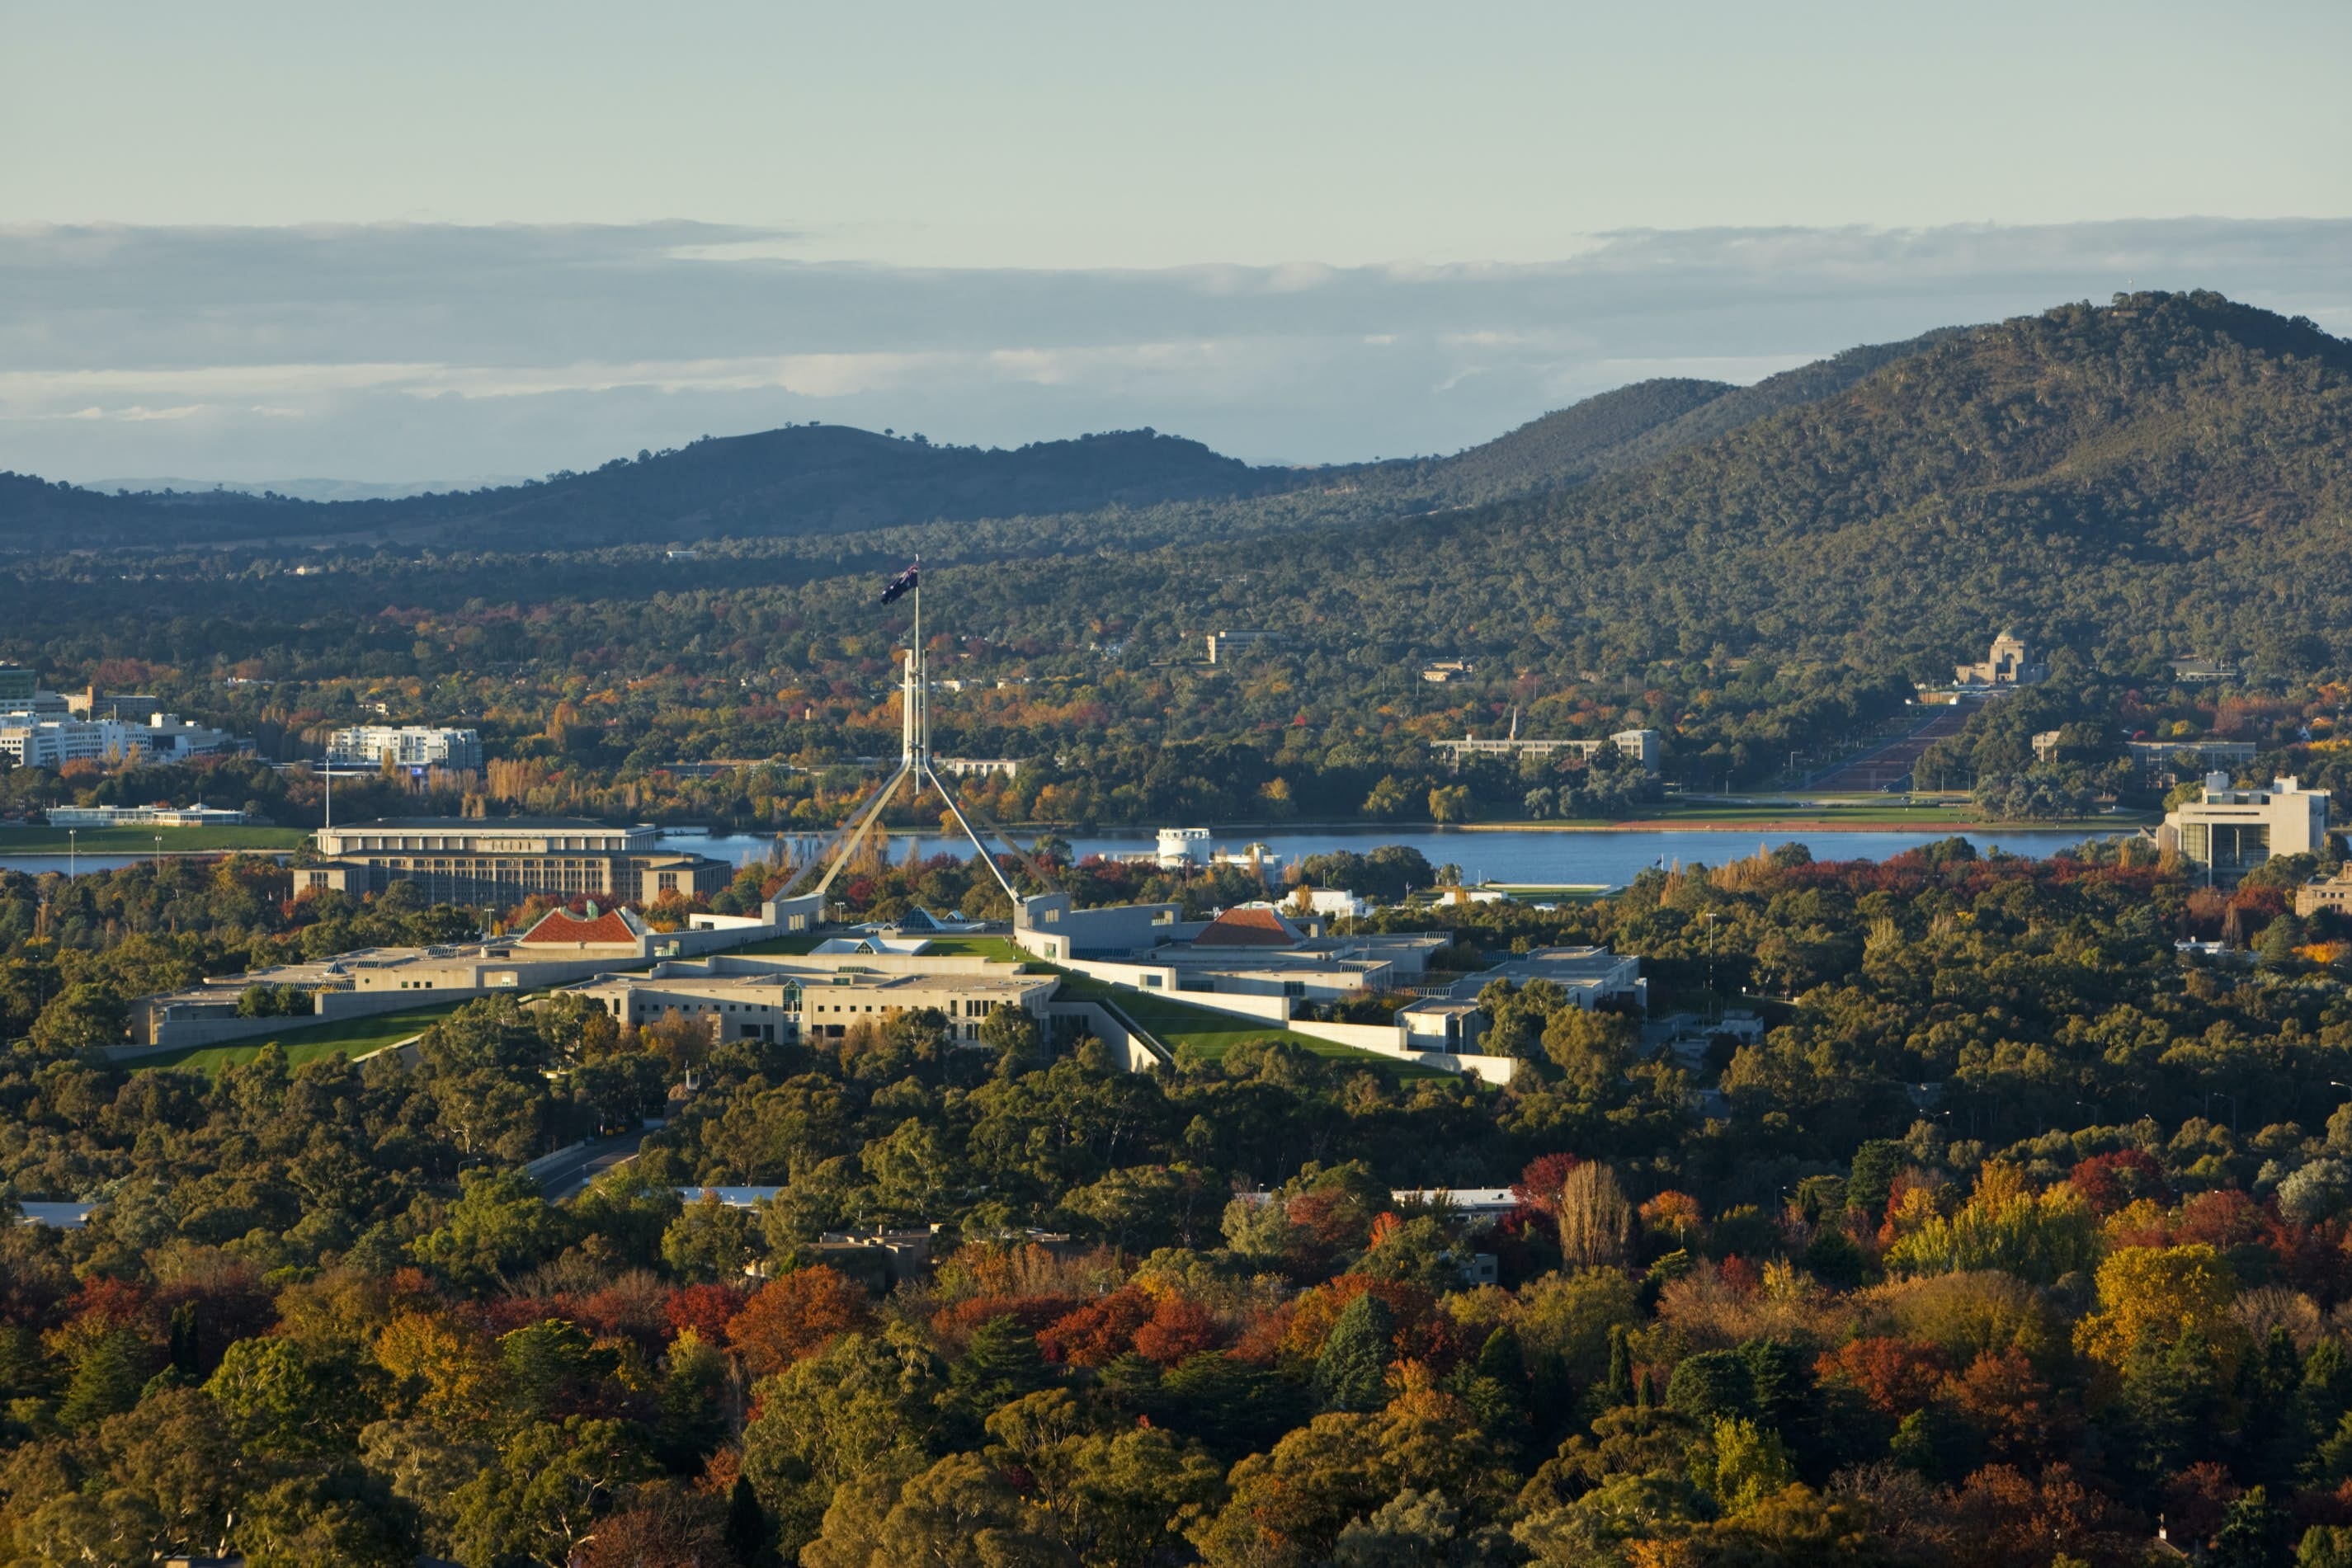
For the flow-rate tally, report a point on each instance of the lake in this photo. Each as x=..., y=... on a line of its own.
x=1604, y=859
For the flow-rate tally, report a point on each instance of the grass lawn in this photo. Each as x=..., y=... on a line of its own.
x=138, y=840
x=803, y=943
x=309, y=1042
x=1175, y=1024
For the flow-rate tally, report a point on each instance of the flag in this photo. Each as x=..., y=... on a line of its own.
x=901, y=583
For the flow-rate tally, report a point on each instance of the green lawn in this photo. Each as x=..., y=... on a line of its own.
x=801, y=944
x=308, y=1042
x=1175, y=1024
x=137, y=841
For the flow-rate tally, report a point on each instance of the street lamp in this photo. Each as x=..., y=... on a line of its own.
x=72, y=852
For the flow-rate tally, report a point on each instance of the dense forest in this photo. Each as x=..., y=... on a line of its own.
x=2012, y=1237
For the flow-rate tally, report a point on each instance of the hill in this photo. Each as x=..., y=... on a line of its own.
x=806, y=479
x=2166, y=474
x=832, y=480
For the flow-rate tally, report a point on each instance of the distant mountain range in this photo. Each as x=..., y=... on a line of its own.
x=827, y=480
x=2169, y=474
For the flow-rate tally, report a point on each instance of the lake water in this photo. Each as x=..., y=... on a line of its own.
x=1605, y=859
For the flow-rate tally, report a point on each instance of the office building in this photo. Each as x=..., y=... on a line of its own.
x=498, y=862
x=2227, y=832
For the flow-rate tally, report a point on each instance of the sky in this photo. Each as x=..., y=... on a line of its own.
x=440, y=242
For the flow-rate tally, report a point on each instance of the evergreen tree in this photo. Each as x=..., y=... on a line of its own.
x=1618, y=1388
x=1002, y=1363
x=1351, y=1373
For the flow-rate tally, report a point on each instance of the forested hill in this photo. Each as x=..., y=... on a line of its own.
x=805, y=479
x=832, y=480
x=1636, y=425
x=2167, y=474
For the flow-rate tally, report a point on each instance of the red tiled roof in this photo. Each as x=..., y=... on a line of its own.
x=561, y=928
x=1248, y=928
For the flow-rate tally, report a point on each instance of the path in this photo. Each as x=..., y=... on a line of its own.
x=1893, y=762
x=571, y=1175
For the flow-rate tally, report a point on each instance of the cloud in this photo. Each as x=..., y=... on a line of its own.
x=394, y=352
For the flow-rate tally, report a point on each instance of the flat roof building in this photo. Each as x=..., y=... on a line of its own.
x=2230, y=831
x=504, y=861
x=413, y=747
x=786, y=1001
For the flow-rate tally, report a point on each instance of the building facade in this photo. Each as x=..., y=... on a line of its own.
x=143, y=816
x=499, y=862
x=410, y=746
x=2229, y=832
x=2010, y=663
x=2325, y=893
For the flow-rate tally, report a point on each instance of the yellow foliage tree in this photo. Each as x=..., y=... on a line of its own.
x=2156, y=1294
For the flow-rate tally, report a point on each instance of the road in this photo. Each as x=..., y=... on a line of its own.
x=571, y=1175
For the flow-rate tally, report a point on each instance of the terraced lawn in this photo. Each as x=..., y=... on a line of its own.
x=309, y=1042
x=1177, y=1024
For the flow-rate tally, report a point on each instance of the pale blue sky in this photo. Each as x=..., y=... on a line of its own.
x=916, y=185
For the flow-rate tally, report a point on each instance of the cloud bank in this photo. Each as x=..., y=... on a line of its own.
x=400, y=353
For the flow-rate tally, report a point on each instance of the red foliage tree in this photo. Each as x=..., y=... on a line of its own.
x=1096, y=1332
x=1896, y=1376
x=2110, y=1182
x=1179, y=1327
x=794, y=1316
x=705, y=1309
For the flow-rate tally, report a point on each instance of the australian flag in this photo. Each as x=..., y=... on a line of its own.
x=901, y=583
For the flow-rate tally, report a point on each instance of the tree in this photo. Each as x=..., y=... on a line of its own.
x=84, y=1017
x=1595, y=1220
x=542, y=1498
x=1351, y=1373
x=858, y=1407
x=500, y=1224
x=2151, y=1296
x=710, y=1240
x=1002, y=1362
x=1449, y=803
x=345, y=1516
x=796, y=1316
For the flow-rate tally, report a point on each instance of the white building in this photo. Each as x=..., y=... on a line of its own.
x=143, y=816
x=2230, y=832
x=411, y=746
x=36, y=742
x=1183, y=847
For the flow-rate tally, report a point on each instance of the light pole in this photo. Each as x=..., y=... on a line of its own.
x=1713, y=994
x=73, y=847
x=159, y=852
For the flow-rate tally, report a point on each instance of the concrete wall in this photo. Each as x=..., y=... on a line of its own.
x=1125, y=1049
x=1052, y=926
x=180, y=1034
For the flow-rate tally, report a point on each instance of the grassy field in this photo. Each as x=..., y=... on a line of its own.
x=800, y=943
x=1175, y=1024
x=137, y=841
x=309, y=1042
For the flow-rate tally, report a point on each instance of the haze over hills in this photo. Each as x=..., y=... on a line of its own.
x=2168, y=474
x=831, y=479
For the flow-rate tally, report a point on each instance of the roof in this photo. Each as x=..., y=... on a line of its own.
x=1249, y=928
x=493, y=825
x=561, y=928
